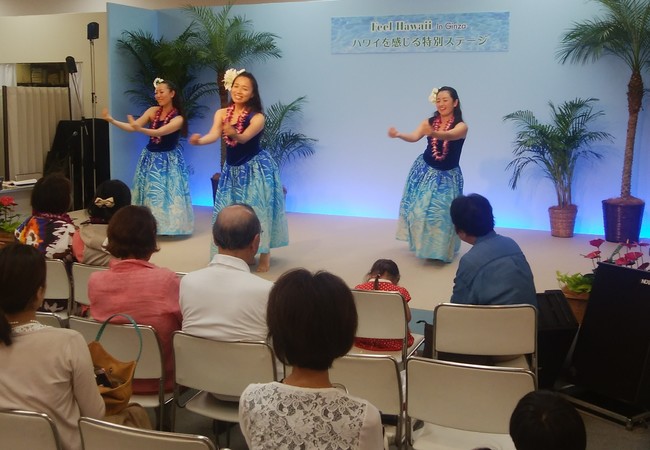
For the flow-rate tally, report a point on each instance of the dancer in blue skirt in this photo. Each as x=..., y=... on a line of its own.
x=161, y=177
x=434, y=181
x=250, y=175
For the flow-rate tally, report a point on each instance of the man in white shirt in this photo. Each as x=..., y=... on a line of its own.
x=225, y=300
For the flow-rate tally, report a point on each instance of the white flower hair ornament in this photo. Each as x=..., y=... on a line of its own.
x=157, y=81
x=434, y=95
x=230, y=76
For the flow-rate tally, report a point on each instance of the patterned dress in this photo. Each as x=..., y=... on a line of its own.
x=251, y=176
x=161, y=182
x=431, y=186
x=383, y=344
x=50, y=234
x=278, y=416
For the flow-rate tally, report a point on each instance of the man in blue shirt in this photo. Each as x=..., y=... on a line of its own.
x=494, y=271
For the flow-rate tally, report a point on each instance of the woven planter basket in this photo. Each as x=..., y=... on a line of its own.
x=623, y=219
x=563, y=220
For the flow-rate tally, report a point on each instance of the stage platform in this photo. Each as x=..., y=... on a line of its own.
x=347, y=246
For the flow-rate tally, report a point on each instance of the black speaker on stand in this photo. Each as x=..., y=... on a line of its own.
x=81, y=148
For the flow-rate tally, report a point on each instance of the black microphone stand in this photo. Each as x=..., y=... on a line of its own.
x=93, y=100
x=83, y=131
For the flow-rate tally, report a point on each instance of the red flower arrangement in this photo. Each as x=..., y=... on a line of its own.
x=8, y=222
x=623, y=255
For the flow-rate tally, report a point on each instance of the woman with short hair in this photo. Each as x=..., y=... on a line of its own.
x=312, y=320
x=136, y=287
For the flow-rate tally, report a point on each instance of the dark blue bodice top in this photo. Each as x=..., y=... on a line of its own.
x=167, y=142
x=451, y=160
x=242, y=153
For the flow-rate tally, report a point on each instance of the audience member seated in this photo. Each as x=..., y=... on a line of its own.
x=88, y=241
x=312, y=320
x=225, y=300
x=49, y=229
x=494, y=271
x=384, y=276
x=543, y=420
x=44, y=369
x=134, y=286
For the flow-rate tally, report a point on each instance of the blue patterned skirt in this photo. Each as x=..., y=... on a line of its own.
x=424, y=219
x=161, y=183
x=257, y=184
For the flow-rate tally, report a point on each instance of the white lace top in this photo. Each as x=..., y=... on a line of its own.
x=276, y=415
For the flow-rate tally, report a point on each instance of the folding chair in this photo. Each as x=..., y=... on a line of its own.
x=382, y=315
x=80, y=276
x=463, y=406
x=220, y=371
x=50, y=319
x=100, y=435
x=28, y=429
x=507, y=332
x=58, y=286
x=121, y=341
x=375, y=378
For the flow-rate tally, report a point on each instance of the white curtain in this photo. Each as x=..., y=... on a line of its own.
x=7, y=74
x=32, y=117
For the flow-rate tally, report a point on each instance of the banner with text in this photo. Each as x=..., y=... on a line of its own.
x=462, y=32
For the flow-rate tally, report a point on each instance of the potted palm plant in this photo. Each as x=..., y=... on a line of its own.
x=556, y=148
x=174, y=60
x=279, y=139
x=623, y=32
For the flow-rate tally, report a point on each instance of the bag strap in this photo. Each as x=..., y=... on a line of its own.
x=130, y=319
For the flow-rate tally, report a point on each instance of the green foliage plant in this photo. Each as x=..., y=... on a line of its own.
x=623, y=32
x=555, y=147
x=175, y=60
x=279, y=139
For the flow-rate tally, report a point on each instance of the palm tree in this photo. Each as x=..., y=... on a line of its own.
x=229, y=42
x=557, y=147
x=174, y=60
x=623, y=32
x=279, y=140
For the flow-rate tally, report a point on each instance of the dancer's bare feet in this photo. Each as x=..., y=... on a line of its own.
x=265, y=262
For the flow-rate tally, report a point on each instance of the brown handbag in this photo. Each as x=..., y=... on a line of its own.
x=114, y=377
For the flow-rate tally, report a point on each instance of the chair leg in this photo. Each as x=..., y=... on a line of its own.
x=215, y=429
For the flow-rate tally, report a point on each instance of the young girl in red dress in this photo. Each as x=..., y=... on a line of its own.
x=384, y=276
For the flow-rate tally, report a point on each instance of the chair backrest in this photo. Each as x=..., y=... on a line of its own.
x=50, y=319
x=28, y=429
x=382, y=315
x=122, y=342
x=375, y=378
x=464, y=396
x=485, y=330
x=224, y=368
x=100, y=435
x=57, y=281
x=80, y=276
